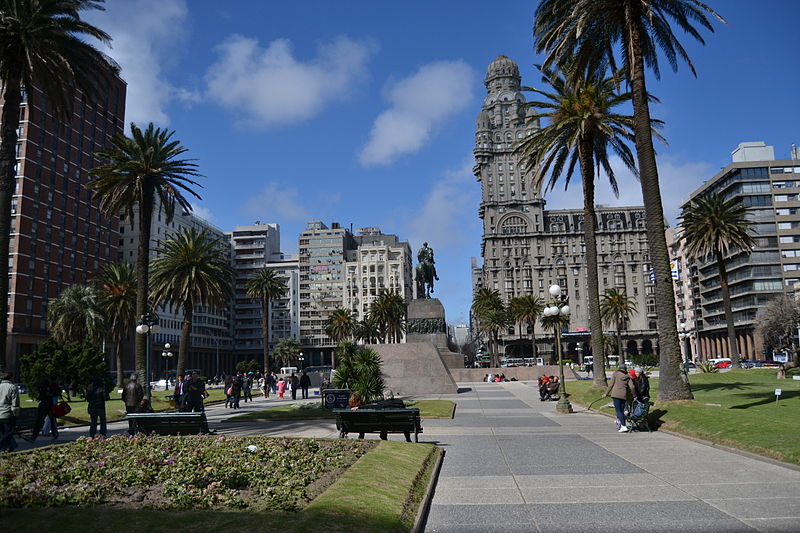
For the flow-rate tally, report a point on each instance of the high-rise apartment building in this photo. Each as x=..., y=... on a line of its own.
x=255, y=247
x=380, y=262
x=339, y=270
x=59, y=237
x=526, y=248
x=770, y=189
x=210, y=343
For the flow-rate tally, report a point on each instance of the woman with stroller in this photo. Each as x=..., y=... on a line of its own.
x=642, y=385
x=621, y=383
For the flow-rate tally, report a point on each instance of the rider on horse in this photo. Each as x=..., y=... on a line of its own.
x=426, y=271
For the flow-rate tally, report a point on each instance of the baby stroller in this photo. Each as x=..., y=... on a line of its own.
x=636, y=415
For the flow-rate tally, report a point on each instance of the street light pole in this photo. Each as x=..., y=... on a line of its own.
x=148, y=324
x=167, y=353
x=557, y=310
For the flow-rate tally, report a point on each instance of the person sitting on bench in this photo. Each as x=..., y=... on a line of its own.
x=388, y=402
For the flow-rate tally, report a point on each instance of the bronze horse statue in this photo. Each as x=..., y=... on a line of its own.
x=426, y=272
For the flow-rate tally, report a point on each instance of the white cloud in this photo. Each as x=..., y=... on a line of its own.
x=202, y=212
x=144, y=36
x=276, y=202
x=266, y=86
x=678, y=178
x=418, y=105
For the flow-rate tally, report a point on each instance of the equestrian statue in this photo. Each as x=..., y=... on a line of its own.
x=426, y=271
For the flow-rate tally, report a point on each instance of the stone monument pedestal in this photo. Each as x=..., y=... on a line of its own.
x=426, y=323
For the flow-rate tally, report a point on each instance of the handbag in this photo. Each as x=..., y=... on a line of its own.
x=229, y=392
x=62, y=408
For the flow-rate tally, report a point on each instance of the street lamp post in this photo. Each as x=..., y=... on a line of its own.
x=685, y=338
x=557, y=309
x=148, y=324
x=168, y=354
x=301, y=359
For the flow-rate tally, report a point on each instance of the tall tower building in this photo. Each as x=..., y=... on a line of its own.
x=526, y=248
x=59, y=237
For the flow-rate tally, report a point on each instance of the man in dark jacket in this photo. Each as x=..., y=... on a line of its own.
x=96, y=397
x=247, y=386
x=132, y=396
x=295, y=385
x=179, y=394
x=305, y=382
x=195, y=393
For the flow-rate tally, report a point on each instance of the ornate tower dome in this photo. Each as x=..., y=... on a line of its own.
x=502, y=67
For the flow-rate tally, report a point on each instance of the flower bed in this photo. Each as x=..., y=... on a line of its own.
x=177, y=472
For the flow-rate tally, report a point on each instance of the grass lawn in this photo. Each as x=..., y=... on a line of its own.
x=115, y=409
x=380, y=492
x=735, y=408
x=427, y=409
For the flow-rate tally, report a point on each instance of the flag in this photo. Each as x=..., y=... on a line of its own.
x=652, y=275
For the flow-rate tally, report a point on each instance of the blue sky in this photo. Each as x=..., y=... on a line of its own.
x=364, y=112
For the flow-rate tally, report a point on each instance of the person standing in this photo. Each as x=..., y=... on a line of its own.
x=132, y=396
x=642, y=385
x=263, y=386
x=179, y=394
x=621, y=383
x=247, y=386
x=281, y=387
x=237, y=390
x=305, y=382
x=273, y=382
x=96, y=397
x=228, y=387
x=9, y=410
x=195, y=393
x=295, y=383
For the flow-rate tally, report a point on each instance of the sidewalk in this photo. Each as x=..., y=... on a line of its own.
x=513, y=464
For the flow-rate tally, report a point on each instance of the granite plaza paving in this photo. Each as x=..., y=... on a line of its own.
x=512, y=464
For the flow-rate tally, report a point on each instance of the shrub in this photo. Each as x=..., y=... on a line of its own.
x=72, y=362
x=359, y=369
x=707, y=368
x=645, y=359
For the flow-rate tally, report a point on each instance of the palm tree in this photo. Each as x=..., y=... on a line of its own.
x=526, y=310
x=139, y=169
x=340, y=326
x=582, y=127
x=712, y=226
x=266, y=285
x=359, y=370
x=587, y=32
x=43, y=45
x=616, y=308
x=75, y=315
x=117, y=300
x=388, y=313
x=366, y=331
x=287, y=351
x=191, y=269
x=492, y=315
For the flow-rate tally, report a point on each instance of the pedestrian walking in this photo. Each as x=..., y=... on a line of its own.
x=294, y=381
x=237, y=390
x=273, y=381
x=49, y=393
x=305, y=382
x=132, y=396
x=9, y=411
x=621, y=383
x=96, y=396
x=281, y=387
x=228, y=386
x=179, y=394
x=195, y=394
x=263, y=386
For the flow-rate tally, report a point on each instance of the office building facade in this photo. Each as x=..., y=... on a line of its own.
x=770, y=189
x=59, y=237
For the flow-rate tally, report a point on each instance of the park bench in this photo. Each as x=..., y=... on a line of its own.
x=378, y=420
x=171, y=423
x=25, y=420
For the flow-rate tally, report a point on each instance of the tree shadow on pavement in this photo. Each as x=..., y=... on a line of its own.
x=763, y=399
x=736, y=385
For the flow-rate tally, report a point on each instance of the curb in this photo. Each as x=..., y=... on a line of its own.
x=422, y=514
x=737, y=451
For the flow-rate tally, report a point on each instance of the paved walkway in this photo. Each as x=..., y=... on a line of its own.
x=513, y=464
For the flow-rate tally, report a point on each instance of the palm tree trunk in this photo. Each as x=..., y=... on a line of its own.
x=619, y=341
x=143, y=274
x=8, y=182
x=533, y=340
x=265, y=330
x=726, y=304
x=673, y=383
x=589, y=235
x=186, y=330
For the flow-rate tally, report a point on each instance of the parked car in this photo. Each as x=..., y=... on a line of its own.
x=21, y=388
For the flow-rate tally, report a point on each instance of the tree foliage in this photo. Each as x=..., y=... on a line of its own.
x=248, y=366
x=359, y=369
x=266, y=285
x=341, y=325
x=76, y=316
x=72, y=362
x=116, y=285
x=287, y=351
x=777, y=324
x=388, y=313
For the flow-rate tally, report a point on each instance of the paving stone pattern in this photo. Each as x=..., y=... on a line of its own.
x=513, y=464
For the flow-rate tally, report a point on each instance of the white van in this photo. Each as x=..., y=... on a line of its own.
x=288, y=370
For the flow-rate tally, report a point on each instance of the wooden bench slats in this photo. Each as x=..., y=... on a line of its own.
x=25, y=420
x=171, y=423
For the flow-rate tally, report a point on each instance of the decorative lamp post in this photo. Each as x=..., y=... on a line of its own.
x=148, y=324
x=166, y=353
x=559, y=311
x=301, y=359
x=685, y=337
